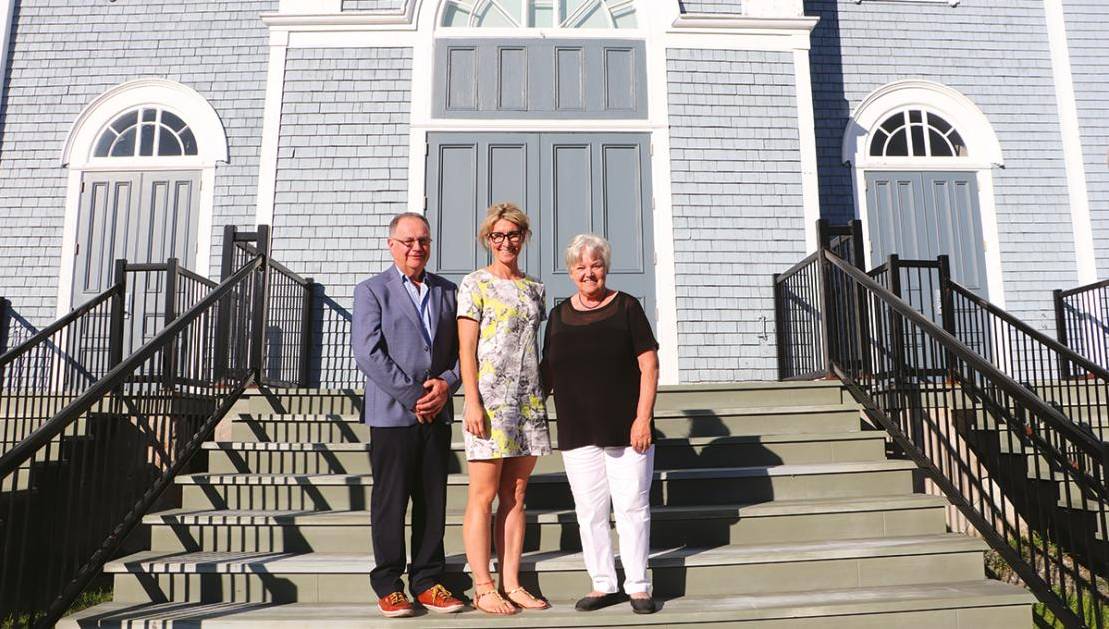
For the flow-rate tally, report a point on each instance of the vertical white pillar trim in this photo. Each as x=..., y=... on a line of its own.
x=7, y=14
x=1072, y=142
x=69, y=243
x=420, y=108
x=271, y=127
x=666, y=299
x=806, y=128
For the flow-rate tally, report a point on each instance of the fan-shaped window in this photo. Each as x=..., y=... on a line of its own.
x=146, y=132
x=916, y=133
x=540, y=13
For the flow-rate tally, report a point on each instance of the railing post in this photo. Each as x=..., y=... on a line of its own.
x=823, y=233
x=5, y=323
x=897, y=330
x=947, y=296
x=307, y=329
x=116, y=331
x=261, y=303
x=223, y=315
x=779, y=346
x=857, y=244
x=169, y=354
x=1061, y=330
x=825, y=308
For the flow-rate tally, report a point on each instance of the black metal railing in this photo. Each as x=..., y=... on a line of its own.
x=1021, y=473
x=846, y=241
x=799, y=321
x=1082, y=321
x=285, y=339
x=75, y=487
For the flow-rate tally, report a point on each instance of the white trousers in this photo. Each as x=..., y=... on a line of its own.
x=622, y=477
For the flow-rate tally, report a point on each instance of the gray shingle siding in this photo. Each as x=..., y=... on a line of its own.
x=996, y=52
x=373, y=5
x=738, y=215
x=67, y=52
x=711, y=6
x=1087, y=26
x=342, y=170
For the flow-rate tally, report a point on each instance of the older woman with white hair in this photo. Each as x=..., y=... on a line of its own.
x=601, y=360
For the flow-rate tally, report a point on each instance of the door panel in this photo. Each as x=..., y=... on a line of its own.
x=920, y=216
x=567, y=183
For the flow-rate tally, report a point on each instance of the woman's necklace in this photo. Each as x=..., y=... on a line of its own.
x=581, y=300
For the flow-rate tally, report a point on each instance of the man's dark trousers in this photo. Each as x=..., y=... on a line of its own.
x=416, y=460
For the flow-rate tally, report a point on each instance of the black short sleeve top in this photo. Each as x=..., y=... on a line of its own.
x=592, y=358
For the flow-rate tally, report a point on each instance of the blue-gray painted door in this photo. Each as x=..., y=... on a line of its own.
x=140, y=216
x=567, y=183
x=921, y=215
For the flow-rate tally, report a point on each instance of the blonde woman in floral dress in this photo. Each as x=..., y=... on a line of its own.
x=500, y=310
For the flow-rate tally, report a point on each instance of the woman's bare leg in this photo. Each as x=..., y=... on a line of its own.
x=484, y=480
x=510, y=526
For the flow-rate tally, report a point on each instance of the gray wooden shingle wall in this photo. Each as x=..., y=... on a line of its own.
x=1087, y=26
x=67, y=52
x=994, y=51
x=738, y=215
x=342, y=169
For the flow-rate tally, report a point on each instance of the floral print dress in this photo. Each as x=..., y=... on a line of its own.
x=508, y=312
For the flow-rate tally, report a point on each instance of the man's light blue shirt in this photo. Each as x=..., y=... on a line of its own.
x=420, y=295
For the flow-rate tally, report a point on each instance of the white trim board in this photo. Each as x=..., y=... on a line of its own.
x=1077, y=189
x=7, y=15
x=271, y=128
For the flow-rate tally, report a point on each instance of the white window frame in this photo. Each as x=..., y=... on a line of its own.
x=983, y=154
x=77, y=156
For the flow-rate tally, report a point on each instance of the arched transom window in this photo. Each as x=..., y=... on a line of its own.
x=146, y=132
x=540, y=13
x=916, y=132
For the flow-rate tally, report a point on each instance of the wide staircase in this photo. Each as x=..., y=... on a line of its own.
x=774, y=505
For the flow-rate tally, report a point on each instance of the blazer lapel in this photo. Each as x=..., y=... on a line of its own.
x=435, y=305
x=400, y=293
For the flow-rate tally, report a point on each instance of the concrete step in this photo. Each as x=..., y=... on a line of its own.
x=978, y=604
x=153, y=576
x=777, y=521
x=706, y=422
x=670, y=397
x=550, y=490
x=670, y=453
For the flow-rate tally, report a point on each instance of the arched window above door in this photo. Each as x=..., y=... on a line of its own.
x=916, y=132
x=146, y=132
x=553, y=14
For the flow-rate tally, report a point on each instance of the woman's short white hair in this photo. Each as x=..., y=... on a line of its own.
x=588, y=243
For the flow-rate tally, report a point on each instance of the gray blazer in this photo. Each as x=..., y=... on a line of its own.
x=390, y=348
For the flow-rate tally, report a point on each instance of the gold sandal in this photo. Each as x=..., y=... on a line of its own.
x=542, y=604
x=492, y=590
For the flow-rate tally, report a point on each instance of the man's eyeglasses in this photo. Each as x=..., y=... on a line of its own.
x=408, y=243
x=513, y=237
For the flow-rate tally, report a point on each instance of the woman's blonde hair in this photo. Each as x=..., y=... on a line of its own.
x=507, y=211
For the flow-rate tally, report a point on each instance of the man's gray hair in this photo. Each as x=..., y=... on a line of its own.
x=403, y=215
x=588, y=243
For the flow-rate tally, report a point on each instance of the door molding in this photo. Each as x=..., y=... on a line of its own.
x=984, y=153
x=212, y=148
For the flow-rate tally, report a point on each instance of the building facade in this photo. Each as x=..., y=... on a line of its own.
x=704, y=138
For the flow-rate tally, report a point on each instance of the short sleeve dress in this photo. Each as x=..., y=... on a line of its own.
x=509, y=313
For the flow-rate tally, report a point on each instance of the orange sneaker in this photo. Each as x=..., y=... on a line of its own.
x=396, y=605
x=439, y=599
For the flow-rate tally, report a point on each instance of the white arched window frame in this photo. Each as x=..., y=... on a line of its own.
x=79, y=156
x=981, y=147
x=542, y=14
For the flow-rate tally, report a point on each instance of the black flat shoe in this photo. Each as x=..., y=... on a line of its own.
x=593, y=603
x=644, y=605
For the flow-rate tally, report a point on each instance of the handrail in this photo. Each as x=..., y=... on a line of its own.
x=27, y=448
x=1081, y=289
x=1018, y=469
x=124, y=438
x=1059, y=421
x=54, y=327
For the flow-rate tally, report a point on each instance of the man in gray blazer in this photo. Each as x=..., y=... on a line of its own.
x=405, y=340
